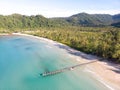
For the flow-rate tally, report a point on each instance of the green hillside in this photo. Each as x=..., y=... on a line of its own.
x=82, y=19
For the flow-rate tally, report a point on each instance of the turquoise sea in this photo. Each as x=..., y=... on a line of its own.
x=23, y=59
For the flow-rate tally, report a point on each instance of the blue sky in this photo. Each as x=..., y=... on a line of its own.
x=59, y=8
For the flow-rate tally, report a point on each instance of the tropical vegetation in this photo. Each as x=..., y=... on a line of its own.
x=94, y=34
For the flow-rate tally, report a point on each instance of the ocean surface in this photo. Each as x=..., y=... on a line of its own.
x=23, y=59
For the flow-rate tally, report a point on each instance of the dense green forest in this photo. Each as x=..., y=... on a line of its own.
x=82, y=19
x=94, y=34
x=104, y=42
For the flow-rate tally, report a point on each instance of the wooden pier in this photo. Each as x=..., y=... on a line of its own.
x=64, y=69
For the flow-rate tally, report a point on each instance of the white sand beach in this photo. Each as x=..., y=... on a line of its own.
x=106, y=72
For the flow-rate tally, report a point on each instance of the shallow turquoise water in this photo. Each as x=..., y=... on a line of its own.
x=22, y=59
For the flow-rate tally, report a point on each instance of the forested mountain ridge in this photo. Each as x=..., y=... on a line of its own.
x=85, y=19
x=116, y=18
x=36, y=21
x=116, y=21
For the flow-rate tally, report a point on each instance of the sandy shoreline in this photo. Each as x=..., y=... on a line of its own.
x=106, y=72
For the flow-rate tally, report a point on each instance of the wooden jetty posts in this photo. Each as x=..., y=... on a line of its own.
x=64, y=69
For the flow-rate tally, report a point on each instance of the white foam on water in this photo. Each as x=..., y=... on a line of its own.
x=48, y=46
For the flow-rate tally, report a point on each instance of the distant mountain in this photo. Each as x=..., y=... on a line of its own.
x=84, y=19
x=81, y=19
x=116, y=24
x=116, y=20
